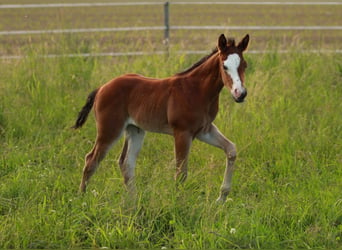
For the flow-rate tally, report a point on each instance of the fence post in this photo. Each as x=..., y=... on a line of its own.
x=166, y=23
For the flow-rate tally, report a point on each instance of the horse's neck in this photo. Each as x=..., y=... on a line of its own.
x=209, y=76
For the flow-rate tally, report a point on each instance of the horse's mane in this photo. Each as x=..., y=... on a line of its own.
x=197, y=64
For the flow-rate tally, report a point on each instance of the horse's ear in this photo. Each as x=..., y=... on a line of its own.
x=222, y=42
x=243, y=44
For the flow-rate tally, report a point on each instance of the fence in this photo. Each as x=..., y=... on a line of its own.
x=166, y=27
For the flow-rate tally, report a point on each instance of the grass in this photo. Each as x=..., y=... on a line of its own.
x=286, y=188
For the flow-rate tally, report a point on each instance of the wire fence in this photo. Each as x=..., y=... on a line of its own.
x=166, y=27
x=63, y=5
x=150, y=28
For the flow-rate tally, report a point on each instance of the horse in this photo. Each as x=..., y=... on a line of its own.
x=183, y=106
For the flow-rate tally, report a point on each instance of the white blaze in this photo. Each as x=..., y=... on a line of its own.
x=232, y=64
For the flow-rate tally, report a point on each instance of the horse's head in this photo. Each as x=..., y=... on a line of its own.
x=233, y=66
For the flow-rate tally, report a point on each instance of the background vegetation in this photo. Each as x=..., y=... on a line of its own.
x=286, y=187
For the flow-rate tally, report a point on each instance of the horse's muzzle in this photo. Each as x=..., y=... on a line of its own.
x=241, y=98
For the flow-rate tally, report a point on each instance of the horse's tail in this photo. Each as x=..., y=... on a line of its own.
x=83, y=114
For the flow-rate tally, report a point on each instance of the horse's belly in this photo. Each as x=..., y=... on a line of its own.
x=151, y=125
x=149, y=110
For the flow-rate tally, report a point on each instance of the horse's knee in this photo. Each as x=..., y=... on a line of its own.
x=232, y=155
x=231, y=152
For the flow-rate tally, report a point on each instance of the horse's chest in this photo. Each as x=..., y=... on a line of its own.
x=213, y=109
x=209, y=116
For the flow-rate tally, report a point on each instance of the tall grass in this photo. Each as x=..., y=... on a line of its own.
x=286, y=188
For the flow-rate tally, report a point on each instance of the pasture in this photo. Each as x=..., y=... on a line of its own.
x=288, y=179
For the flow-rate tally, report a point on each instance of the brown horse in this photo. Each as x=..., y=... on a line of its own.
x=183, y=105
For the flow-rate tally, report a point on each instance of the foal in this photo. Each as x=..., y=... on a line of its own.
x=183, y=105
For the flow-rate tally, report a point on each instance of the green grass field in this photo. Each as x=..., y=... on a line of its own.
x=287, y=184
x=286, y=187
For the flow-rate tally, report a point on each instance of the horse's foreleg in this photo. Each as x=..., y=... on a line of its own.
x=216, y=138
x=183, y=140
x=133, y=143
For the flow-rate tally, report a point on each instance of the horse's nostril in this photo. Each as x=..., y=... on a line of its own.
x=244, y=93
x=242, y=96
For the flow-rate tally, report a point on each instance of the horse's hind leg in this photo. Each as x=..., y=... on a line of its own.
x=106, y=137
x=92, y=160
x=124, y=152
x=133, y=142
